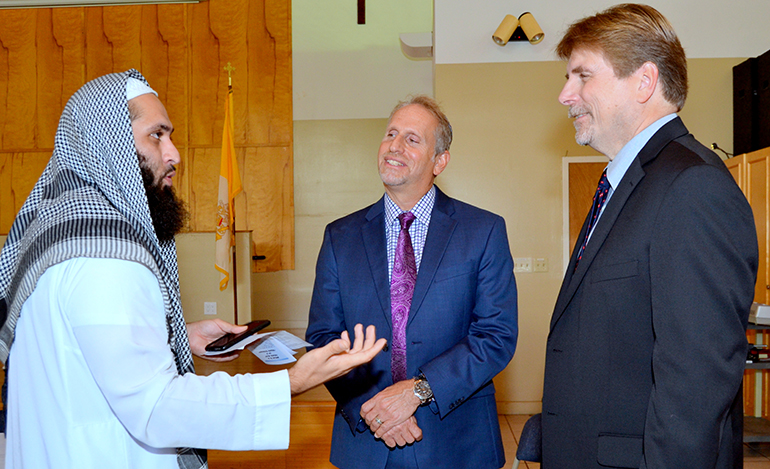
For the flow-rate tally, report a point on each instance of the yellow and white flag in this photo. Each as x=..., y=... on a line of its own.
x=229, y=187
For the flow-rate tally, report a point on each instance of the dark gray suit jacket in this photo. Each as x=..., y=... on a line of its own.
x=647, y=346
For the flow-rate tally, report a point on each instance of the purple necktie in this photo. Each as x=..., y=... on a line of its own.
x=596, y=208
x=402, y=282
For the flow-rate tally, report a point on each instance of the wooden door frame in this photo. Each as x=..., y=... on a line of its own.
x=565, y=162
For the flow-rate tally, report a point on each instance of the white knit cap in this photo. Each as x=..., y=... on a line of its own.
x=136, y=88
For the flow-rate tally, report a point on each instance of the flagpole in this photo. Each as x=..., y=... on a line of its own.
x=229, y=70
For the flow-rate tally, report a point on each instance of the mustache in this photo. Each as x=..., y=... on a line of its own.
x=576, y=111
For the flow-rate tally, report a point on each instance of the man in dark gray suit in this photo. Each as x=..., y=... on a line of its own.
x=647, y=344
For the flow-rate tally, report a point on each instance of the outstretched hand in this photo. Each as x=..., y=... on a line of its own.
x=334, y=359
x=202, y=333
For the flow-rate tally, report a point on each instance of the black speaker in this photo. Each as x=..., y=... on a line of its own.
x=763, y=101
x=745, y=107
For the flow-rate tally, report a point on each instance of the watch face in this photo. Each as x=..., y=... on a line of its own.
x=422, y=389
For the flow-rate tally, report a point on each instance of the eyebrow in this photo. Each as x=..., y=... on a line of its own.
x=166, y=128
x=576, y=71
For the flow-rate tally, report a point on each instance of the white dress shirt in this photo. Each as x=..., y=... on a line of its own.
x=93, y=382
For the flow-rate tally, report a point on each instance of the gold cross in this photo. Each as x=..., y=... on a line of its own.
x=229, y=70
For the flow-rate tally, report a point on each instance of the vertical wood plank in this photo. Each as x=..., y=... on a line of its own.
x=17, y=36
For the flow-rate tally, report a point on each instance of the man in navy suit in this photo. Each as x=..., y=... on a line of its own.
x=462, y=322
x=647, y=346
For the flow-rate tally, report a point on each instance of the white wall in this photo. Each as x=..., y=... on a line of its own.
x=343, y=70
x=706, y=28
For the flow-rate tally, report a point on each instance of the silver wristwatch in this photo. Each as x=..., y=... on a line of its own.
x=422, y=389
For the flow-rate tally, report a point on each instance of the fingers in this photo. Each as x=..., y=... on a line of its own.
x=404, y=434
x=359, y=338
x=344, y=336
x=371, y=337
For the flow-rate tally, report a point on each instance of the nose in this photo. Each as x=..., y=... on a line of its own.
x=396, y=144
x=171, y=154
x=567, y=95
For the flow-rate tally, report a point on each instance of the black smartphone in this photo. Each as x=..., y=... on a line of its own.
x=229, y=339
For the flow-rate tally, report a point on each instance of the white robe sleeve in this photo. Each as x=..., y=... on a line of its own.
x=117, y=316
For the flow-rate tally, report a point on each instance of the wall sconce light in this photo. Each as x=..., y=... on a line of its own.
x=525, y=28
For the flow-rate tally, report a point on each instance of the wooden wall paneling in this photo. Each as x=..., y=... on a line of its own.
x=112, y=39
x=7, y=206
x=208, y=81
x=270, y=94
x=121, y=30
x=164, y=63
x=758, y=195
x=19, y=172
x=229, y=23
x=47, y=54
x=49, y=71
x=69, y=33
x=203, y=172
x=17, y=36
x=270, y=168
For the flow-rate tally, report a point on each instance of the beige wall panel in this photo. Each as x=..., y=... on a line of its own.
x=17, y=36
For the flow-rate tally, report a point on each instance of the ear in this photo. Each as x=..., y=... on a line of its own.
x=440, y=162
x=647, y=75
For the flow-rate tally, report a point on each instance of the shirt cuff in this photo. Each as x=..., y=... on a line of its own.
x=273, y=395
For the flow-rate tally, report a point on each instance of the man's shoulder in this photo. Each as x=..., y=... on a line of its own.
x=679, y=154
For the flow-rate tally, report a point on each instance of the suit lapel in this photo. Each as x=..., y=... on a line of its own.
x=634, y=175
x=373, y=235
x=439, y=233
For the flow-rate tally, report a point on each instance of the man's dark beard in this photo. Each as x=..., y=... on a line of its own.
x=168, y=211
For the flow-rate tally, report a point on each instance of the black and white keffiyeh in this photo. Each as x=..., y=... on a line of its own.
x=91, y=202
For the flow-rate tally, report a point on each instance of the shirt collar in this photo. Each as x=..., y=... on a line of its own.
x=617, y=168
x=421, y=210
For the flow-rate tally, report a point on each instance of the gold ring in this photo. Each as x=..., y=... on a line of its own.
x=377, y=419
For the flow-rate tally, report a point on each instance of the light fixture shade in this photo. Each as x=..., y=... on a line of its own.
x=503, y=33
x=5, y=4
x=533, y=30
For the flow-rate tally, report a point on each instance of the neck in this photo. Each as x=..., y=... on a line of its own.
x=406, y=200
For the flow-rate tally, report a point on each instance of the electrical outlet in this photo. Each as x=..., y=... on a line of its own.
x=522, y=264
x=209, y=307
x=540, y=264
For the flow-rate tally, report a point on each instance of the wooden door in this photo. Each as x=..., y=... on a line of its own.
x=580, y=178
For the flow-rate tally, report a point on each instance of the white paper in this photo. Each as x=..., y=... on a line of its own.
x=278, y=348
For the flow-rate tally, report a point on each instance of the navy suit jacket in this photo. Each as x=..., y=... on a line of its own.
x=461, y=331
x=647, y=346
